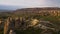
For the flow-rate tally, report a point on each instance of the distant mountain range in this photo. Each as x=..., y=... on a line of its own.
x=5, y=7
x=36, y=9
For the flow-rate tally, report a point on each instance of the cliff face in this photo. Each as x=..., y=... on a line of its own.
x=22, y=24
x=52, y=11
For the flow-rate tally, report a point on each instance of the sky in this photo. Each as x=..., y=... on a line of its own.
x=15, y=4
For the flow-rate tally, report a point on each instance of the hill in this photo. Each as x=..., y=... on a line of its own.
x=37, y=11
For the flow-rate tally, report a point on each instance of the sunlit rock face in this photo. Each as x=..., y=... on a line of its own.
x=9, y=24
x=45, y=25
x=0, y=21
x=6, y=26
x=34, y=22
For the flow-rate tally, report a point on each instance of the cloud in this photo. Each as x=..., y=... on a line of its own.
x=30, y=3
x=22, y=2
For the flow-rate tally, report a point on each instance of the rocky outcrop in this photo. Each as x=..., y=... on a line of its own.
x=19, y=23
